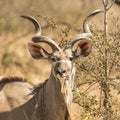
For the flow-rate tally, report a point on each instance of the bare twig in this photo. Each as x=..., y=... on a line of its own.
x=100, y=102
x=113, y=62
x=86, y=91
x=105, y=83
x=83, y=83
x=111, y=5
x=95, y=75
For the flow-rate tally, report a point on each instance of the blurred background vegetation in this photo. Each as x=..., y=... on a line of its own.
x=60, y=20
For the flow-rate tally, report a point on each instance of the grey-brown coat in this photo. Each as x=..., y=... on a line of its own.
x=19, y=100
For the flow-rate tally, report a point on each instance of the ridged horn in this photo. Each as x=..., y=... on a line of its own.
x=86, y=30
x=38, y=38
x=35, y=22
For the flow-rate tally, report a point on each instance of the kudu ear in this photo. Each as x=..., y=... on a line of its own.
x=37, y=52
x=83, y=48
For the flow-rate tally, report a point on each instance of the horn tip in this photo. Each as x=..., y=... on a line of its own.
x=23, y=16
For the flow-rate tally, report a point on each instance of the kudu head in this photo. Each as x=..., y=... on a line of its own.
x=62, y=59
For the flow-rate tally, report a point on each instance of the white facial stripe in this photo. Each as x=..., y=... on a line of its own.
x=67, y=91
x=65, y=61
x=66, y=79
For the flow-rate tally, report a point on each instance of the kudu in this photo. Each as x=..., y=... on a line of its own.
x=19, y=100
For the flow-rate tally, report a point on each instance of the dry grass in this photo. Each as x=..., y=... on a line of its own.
x=15, y=59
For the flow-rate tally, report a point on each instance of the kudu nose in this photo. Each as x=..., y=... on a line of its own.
x=61, y=72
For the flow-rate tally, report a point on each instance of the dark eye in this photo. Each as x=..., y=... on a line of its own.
x=53, y=59
x=71, y=58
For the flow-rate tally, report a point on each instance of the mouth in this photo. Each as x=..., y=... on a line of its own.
x=64, y=83
x=63, y=79
x=64, y=86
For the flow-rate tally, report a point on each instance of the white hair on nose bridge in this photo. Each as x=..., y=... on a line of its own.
x=64, y=61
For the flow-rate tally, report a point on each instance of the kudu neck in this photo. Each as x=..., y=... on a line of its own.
x=55, y=86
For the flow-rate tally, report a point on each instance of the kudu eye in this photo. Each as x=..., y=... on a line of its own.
x=71, y=58
x=53, y=59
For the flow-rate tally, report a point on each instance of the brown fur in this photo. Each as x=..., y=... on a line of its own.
x=5, y=80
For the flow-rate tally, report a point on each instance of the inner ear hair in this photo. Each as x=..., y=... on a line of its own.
x=37, y=51
x=81, y=44
x=85, y=47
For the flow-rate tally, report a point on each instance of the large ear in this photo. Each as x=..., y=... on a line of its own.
x=37, y=52
x=83, y=48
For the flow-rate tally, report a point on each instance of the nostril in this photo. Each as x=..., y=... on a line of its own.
x=58, y=71
x=61, y=72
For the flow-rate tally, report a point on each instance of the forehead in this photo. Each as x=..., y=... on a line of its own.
x=63, y=54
